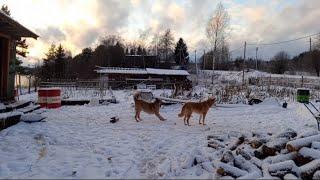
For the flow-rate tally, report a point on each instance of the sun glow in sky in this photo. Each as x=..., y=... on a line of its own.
x=77, y=24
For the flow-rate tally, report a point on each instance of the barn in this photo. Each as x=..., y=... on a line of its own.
x=10, y=32
x=131, y=77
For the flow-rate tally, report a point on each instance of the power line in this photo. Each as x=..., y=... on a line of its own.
x=281, y=42
x=236, y=49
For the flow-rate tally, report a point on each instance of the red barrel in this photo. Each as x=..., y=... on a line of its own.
x=49, y=97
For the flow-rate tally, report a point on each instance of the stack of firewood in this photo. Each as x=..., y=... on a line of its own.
x=286, y=155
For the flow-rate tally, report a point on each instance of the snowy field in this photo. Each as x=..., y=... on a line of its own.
x=79, y=141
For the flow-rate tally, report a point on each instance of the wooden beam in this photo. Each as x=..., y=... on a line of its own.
x=5, y=36
x=14, y=27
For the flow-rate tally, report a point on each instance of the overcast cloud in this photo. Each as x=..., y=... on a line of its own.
x=80, y=23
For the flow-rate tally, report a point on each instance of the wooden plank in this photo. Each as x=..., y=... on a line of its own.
x=29, y=109
x=9, y=120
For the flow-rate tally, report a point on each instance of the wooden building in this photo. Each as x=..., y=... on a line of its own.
x=10, y=32
x=131, y=77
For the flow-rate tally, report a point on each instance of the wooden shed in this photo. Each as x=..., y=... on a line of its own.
x=10, y=32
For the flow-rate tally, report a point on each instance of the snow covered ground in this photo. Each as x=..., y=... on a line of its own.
x=79, y=141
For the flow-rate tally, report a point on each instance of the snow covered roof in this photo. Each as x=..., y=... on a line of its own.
x=167, y=72
x=11, y=26
x=117, y=70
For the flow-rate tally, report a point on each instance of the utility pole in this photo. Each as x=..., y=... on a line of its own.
x=195, y=60
x=256, y=58
x=213, y=59
x=310, y=43
x=204, y=60
x=244, y=59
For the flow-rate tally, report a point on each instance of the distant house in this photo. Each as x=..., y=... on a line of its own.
x=10, y=32
x=130, y=77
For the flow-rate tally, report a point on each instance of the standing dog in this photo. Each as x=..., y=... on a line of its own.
x=197, y=107
x=150, y=108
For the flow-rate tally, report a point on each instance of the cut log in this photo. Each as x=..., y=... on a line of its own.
x=217, y=137
x=265, y=170
x=253, y=175
x=295, y=145
x=227, y=157
x=200, y=159
x=256, y=143
x=215, y=144
x=256, y=162
x=309, y=153
x=308, y=133
x=243, y=164
x=264, y=151
x=268, y=151
x=282, y=168
x=208, y=167
x=260, y=135
x=232, y=146
x=316, y=175
x=224, y=169
x=244, y=153
x=289, y=177
x=300, y=160
x=189, y=162
x=307, y=170
x=277, y=143
x=281, y=157
x=288, y=133
x=315, y=145
x=259, y=154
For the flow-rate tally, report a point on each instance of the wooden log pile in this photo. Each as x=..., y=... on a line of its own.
x=286, y=155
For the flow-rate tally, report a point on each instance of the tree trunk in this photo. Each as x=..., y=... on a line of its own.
x=29, y=85
x=20, y=84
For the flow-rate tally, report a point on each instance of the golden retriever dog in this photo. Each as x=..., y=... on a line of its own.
x=196, y=107
x=150, y=108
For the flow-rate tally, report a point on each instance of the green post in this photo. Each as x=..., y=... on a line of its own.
x=303, y=95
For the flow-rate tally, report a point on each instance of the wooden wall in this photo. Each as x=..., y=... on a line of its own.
x=5, y=52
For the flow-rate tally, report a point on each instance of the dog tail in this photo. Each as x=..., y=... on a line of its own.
x=182, y=112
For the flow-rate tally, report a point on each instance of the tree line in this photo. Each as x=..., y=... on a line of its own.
x=111, y=52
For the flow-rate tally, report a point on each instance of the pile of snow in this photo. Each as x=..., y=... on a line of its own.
x=2, y=106
x=270, y=101
x=31, y=117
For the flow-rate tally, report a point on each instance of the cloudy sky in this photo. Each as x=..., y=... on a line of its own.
x=80, y=23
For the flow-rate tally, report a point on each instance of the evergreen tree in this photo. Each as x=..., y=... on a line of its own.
x=47, y=69
x=6, y=10
x=181, y=55
x=139, y=50
x=60, y=61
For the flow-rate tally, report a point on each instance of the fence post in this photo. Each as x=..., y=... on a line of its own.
x=269, y=81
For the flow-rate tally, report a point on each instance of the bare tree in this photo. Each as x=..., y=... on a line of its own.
x=111, y=40
x=216, y=29
x=312, y=58
x=166, y=43
x=280, y=62
x=317, y=43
